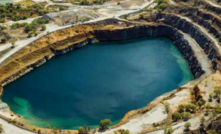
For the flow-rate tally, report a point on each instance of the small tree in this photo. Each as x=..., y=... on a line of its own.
x=126, y=17
x=208, y=106
x=80, y=130
x=187, y=125
x=48, y=126
x=176, y=116
x=168, y=130
x=84, y=130
x=1, y=128
x=212, y=132
x=186, y=115
x=13, y=44
x=207, y=109
x=191, y=107
x=87, y=129
x=202, y=119
x=104, y=123
x=3, y=40
x=181, y=108
x=217, y=91
x=39, y=131
x=211, y=95
x=77, y=31
x=166, y=105
x=125, y=132
x=199, y=103
x=141, y=16
x=55, y=130
x=43, y=27
x=30, y=34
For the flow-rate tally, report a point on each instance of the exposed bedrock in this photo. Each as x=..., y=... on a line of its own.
x=195, y=32
x=209, y=7
x=32, y=59
x=144, y=31
x=213, y=124
x=207, y=20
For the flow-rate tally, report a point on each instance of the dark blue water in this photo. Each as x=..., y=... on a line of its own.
x=98, y=81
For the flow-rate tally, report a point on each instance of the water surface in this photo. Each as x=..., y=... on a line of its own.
x=98, y=81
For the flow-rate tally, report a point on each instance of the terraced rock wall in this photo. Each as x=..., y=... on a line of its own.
x=187, y=27
x=68, y=39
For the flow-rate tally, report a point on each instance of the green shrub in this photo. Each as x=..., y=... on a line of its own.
x=3, y=40
x=95, y=1
x=217, y=91
x=43, y=27
x=168, y=130
x=176, y=116
x=187, y=125
x=104, y=123
x=202, y=119
x=199, y=103
x=181, y=108
x=186, y=115
x=84, y=130
x=48, y=126
x=191, y=107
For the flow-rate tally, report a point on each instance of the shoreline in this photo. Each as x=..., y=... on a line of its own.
x=34, y=121
x=70, y=46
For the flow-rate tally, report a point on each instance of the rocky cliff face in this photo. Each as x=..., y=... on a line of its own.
x=208, y=21
x=208, y=7
x=154, y=31
x=187, y=27
x=213, y=125
x=61, y=42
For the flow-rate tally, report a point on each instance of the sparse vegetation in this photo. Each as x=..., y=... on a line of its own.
x=176, y=116
x=86, y=2
x=1, y=128
x=32, y=27
x=155, y=124
x=187, y=125
x=182, y=108
x=141, y=16
x=210, y=96
x=43, y=27
x=125, y=132
x=17, y=12
x=104, y=124
x=199, y=103
x=48, y=126
x=166, y=105
x=217, y=92
x=13, y=44
x=190, y=108
x=202, y=119
x=3, y=40
x=161, y=5
x=84, y=130
x=168, y=130
x=186, y=115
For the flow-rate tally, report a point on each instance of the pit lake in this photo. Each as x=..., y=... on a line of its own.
x=98, y=81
